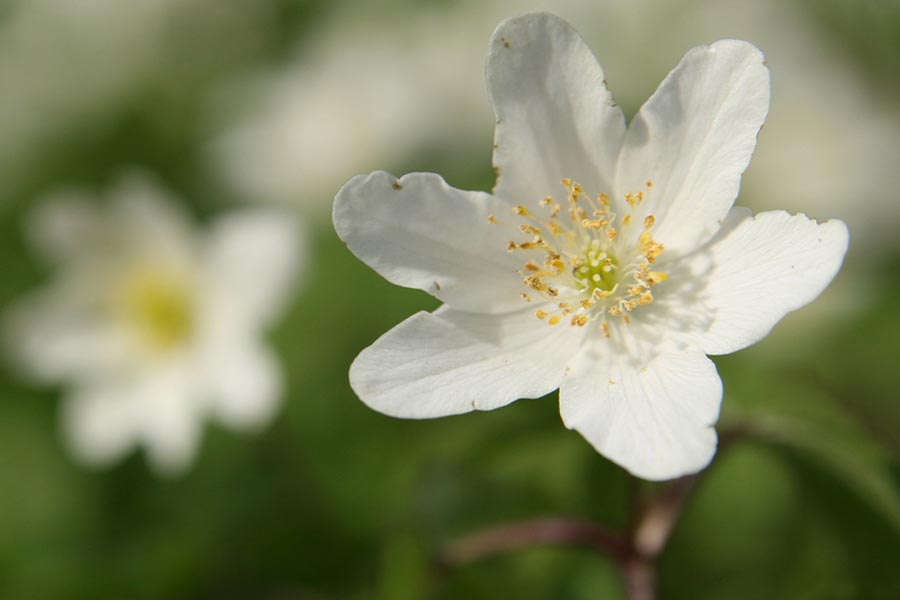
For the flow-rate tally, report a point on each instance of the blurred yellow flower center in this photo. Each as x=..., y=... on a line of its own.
x=593, y=264
x=157, y=304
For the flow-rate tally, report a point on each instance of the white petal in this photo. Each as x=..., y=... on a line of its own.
x=156, y=408
x=421, y=233
x=100, y=424
x=170, y=419
x=452, y=362
x=654, y=419
x=53, y=335
x=145, y=219
x=60, y=224
x=243, y=383
x=693, y=138
x=555, y=117
x=253, y=260
x=755, y=272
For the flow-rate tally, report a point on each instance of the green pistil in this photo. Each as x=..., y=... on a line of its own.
x=598, y=271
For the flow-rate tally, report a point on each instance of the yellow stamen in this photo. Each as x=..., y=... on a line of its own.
x=579, y=320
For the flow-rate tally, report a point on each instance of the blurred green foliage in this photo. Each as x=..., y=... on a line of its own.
x=337, y=501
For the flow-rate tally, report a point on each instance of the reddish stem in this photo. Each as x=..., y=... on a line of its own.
x=634, y=551
x=535, y=532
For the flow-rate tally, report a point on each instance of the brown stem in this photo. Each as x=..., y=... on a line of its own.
x=639, y=576
x=536, y=532
x=652, y=526
x=657, y=519
x=635, y=551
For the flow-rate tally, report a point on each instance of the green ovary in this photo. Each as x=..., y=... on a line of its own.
x=599, y=269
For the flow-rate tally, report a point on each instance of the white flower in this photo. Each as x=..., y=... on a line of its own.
x=549, y=282
x=151, y=326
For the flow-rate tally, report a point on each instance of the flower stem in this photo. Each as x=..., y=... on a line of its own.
x=534, y=532
x=635, y=551
x=639, y=576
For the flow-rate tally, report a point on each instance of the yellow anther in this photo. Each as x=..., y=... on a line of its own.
x=547, y=201
x=587, y=303
x=530, y=266
x=511, y=246
x=632, y=198
x=521, y=210
x=554, y=227
x=649, y=220
x=645, y=299
x=534, y=282
x=611, y=233
x=605, y=326
x=552, y=292
x=656, y=277
x=579, y=320
x=541, y=314
x=557, y=265
x=626, y=220
x=614, y=311
x=603, y=200
x=652, y=252
x=525, y=297
x=492, y=219
x=629, y=305
x=566, y=182
x=649, y=184
x=627, y=319
x=554, y=320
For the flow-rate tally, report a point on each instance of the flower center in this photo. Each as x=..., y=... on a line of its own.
x=157, y=305
x=590, y=263
x=599, y=269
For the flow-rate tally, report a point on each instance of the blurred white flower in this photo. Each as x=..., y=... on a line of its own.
x=354, y=93
x=65, y=64
x=152, y=327
x=616, y=300
x=64, y=61
x=362, y=94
